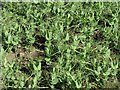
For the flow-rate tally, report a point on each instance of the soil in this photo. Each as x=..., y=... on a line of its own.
x=22, y=53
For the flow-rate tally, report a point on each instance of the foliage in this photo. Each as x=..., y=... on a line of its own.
x=80, y=43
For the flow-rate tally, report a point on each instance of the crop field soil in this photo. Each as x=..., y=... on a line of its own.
x=60, y=45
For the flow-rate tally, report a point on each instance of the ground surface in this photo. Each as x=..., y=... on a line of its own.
x=60, y=45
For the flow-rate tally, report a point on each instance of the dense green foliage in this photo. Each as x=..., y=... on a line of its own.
x=80, y=41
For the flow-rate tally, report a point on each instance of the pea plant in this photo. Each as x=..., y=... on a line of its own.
x=60, y=45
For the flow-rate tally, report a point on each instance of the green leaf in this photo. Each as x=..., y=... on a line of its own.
x=67, y=37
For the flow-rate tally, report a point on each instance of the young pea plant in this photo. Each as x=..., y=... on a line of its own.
x=78, y=44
